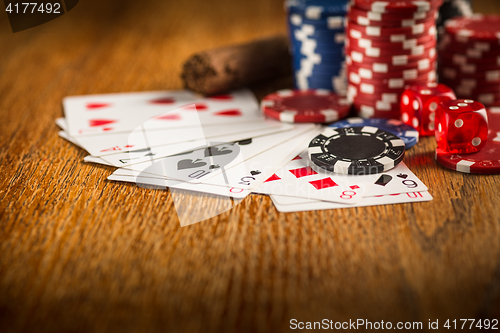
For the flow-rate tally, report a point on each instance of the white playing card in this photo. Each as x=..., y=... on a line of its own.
x=244, y=176
x=201, y=164
x=97, y=160
x=112, y=113
x=397, y=180
x=154, y=153
x=61, y=122
x=299, y=179
x=101, y=145
x=365, y=201
x=162, y=182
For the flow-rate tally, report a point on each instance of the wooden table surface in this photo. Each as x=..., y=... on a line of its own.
x=79, y=253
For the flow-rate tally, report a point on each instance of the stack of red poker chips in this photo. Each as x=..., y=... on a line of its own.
x=389, y=45
x=470, y=58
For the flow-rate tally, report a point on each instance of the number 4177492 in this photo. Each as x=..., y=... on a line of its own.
x=33, y=8
x=469, y=324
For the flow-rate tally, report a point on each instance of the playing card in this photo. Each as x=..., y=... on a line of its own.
x=164, y=183
x=101, y=145
x=299, y=179
x=397, y=180
x=241, y=178
x=113, y=113
x=365, y=201
x=201, y=164
x=254, y=139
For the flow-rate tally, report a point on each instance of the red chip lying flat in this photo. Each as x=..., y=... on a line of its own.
x=305, y=106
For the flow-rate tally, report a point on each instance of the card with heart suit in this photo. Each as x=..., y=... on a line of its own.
x=255, y=138
x=236, y=181
x=387, y=199
x=299, y=179
x=101, y=145
x=201, y=164
x=112, y=113
x=397, y=180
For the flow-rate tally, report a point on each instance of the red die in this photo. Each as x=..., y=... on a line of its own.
x=419, y=104
x=461, y=126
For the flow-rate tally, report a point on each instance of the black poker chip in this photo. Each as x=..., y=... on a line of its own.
x=356, y=150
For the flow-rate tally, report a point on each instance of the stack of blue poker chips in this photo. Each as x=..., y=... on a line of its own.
x=316, y=31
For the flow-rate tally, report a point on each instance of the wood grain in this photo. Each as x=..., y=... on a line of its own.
x=79, y=253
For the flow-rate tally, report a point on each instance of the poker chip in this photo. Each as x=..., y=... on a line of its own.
x=368, y=18
x=475, y=28
x=389, y=45
x=408, y=134
x=317, y=34
x=305, y=106
x=470, y=57
x=486, y=161
x=400, y=6
x=356, y=150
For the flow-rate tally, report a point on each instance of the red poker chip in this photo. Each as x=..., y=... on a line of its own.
x=367, y=111
x=487, y=77
x=358, y=56
x=369, y=18
x=475, y=28
x=381, y=67
x=462, y=59
x=468, y=69
x=470, y=53
x=486, y=161
x=389, y=34
x=414, y=31
x=448, y=41
x=406, y=74
x=404, y=46
x=390, y=83
x=305, y=106
x=400, y=6
x=382, y=52
x=472, y=85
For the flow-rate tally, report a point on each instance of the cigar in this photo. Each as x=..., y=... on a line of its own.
x=221, y=70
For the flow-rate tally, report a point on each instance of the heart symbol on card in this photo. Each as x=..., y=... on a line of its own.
x=216, y=151
x=229, y=113
x=163, y=100
x=97, y=105
x=383, y=180
x=222, y=97
x=401, y=175
x=100, y=122
x=169, y=117
x=189, y=164
x=255, y=172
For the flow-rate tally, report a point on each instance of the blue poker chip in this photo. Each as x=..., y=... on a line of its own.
x=408, y=134
x=316, y=9
x=325, y=64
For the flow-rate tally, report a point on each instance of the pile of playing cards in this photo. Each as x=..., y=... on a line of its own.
x=220, y=145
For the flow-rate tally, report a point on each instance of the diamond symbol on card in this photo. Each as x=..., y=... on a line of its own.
x=273, y=177
x=354, y=187
x=323, y=183
x=303, y=172
x=297, y=158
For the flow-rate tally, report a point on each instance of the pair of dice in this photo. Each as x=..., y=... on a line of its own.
x=459, y=125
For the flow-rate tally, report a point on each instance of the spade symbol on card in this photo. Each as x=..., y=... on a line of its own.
x=216, y=151
x=189, y=164
x=402, y=175
x=255, y=172
x=383, y=180
x=214, y=166
x=244, y=142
